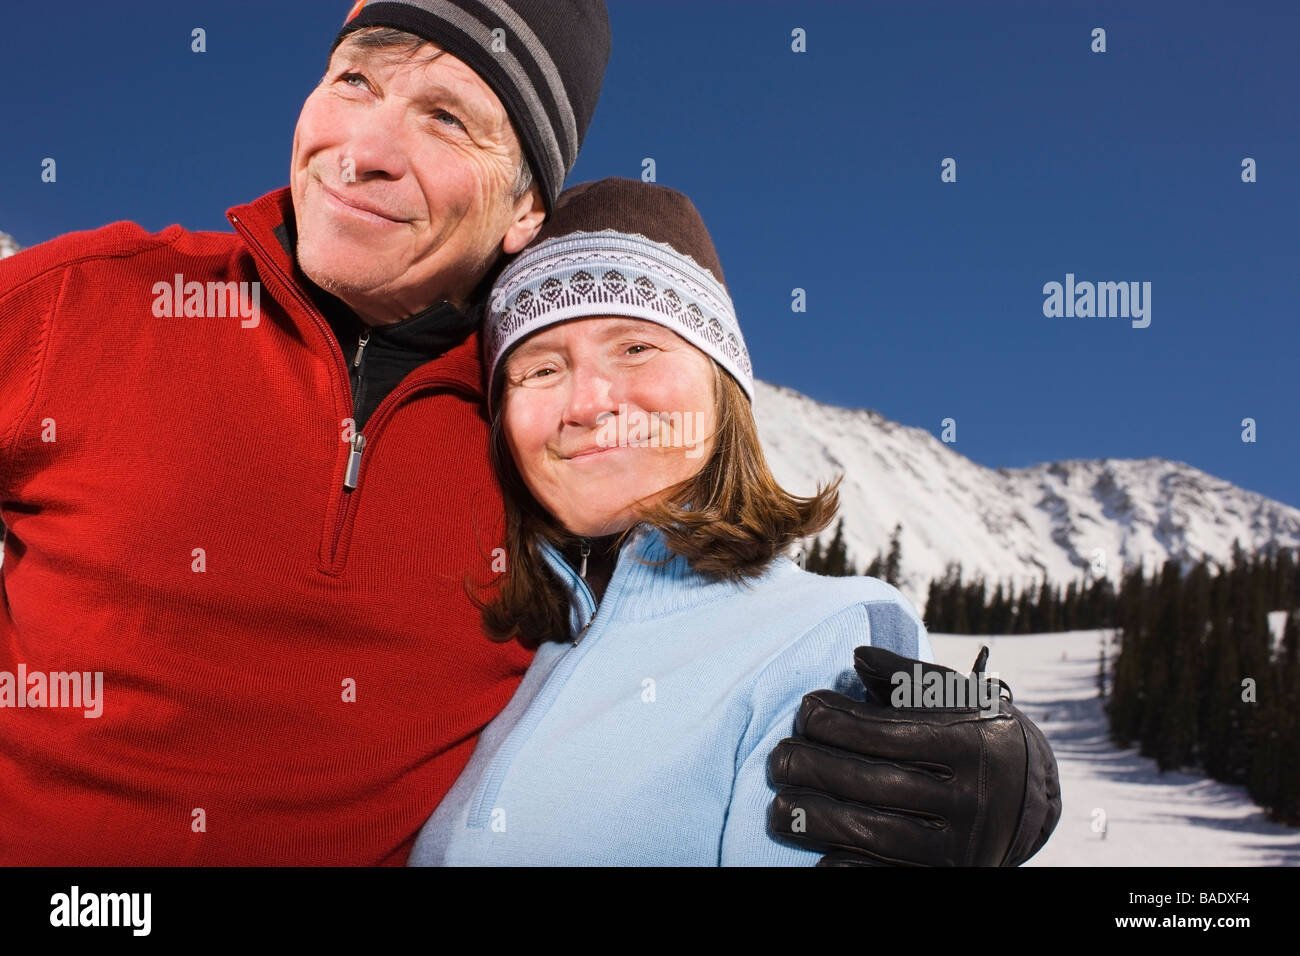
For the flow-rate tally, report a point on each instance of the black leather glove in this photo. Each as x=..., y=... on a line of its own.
x=874, y=784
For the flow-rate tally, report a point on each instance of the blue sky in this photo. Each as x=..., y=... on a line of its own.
x=821, y=171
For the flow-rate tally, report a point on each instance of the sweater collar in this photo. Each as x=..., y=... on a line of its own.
x=649, y=580
x=268, y=226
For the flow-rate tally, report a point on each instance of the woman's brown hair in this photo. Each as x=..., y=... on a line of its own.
x=729, y=520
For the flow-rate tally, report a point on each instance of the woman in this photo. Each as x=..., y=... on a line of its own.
x=645, y=557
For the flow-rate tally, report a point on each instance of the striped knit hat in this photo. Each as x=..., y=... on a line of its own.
x=618, y=247
x=544, y=59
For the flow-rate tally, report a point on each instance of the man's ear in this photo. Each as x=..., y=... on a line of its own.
x=530, y=213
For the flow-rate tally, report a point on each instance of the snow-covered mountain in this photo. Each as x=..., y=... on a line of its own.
x=1006, y=524
x=7, y=245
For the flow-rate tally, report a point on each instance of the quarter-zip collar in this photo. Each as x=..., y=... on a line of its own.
x=641, y=587
x=268, y=227
x=261, y=224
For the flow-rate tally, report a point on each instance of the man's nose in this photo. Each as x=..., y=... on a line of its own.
x=375, y=145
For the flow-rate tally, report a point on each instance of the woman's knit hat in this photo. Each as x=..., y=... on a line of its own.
x=544, y=59
x=618, y=247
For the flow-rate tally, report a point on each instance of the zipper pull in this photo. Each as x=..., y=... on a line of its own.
x=581, y=634
x=586, y=550
x=354, y=462
x=361, y=348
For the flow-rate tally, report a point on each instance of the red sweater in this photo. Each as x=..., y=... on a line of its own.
x=188, y=534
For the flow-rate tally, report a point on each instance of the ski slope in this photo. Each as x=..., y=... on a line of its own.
x=1174, y=819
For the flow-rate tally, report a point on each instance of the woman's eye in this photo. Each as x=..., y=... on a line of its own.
x=631, y=347
x=537, y=373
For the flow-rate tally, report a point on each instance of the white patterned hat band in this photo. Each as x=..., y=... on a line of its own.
x=582, y=274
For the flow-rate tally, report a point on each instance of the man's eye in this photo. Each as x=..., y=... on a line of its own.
x=349, y=77
x=449, y=119
x=631, y=347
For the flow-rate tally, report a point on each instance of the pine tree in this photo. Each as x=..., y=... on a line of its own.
x=999, y=616
x=960, y=620
x=1196, y=614
x=837, y=555
x=1222, y=697
x=1046, y=609
x=1024, y=612
x=1125, y=708
x=934, y=611
x=814, y=561
x=894, y=563
x=1287, y=768
x=976, y=608
x=1070, y=608
x=1157, y=665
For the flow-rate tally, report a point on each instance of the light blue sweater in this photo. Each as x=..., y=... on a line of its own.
x=645, y=741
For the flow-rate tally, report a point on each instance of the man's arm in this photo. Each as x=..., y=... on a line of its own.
x=775, y=699
x=29, y=287
x=940, y=784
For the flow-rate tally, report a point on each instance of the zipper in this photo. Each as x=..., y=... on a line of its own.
x=354, y=462
x=587, y=607
x=353, y=470
x=340, y=365
x=359, y=384
x=360, y=443
x=330, y=563
x=361, y=348
x=597, y=620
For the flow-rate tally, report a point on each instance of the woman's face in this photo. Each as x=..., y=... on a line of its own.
x=602, y=412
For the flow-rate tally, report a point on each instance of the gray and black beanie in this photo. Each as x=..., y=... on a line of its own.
x=618, y=247
x=544, y=59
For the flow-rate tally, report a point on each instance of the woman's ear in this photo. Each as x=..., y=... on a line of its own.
x=530, y=213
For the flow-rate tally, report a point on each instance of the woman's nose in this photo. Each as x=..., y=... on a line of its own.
x=591, y=396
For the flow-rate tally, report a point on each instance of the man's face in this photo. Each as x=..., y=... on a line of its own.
x=401, y=178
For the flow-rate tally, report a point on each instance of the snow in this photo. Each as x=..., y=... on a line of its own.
x=1276, y=627
x=1151, y=819
x=7, y=245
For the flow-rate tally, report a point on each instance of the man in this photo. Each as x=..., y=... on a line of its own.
x=236, y=596
x=220, y=503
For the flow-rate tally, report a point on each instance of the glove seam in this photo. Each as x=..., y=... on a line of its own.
x=1024, y=802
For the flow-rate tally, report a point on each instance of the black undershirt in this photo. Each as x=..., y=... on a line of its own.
x=392, y=351
x=600, y=561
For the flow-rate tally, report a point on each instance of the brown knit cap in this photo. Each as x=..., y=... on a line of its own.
x=629, y=205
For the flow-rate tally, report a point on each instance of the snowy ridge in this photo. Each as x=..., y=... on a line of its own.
x=7, y=245
x=1006, y=524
